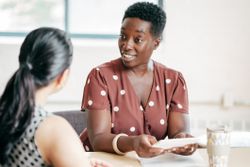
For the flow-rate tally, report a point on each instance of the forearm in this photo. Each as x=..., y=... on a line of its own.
x=103, y=142
x=177, y=132
x=126, y=143
x=178, y=123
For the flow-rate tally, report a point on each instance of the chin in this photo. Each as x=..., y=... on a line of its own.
x=128, y=64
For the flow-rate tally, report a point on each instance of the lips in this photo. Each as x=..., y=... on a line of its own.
x=128, y=57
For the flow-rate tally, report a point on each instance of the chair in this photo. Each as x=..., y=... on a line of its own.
x=77, y=119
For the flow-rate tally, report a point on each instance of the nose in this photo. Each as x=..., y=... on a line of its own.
x=127, y=44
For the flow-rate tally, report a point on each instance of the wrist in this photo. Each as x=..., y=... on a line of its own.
x=182, y=135
x=115, y=143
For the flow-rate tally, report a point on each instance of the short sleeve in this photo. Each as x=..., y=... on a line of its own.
x=179, y=101
x=95, y=95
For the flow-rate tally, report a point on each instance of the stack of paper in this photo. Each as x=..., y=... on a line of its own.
x=179, y=142
x=238, y=139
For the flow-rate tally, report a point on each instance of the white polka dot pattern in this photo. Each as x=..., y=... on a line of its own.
x=116, y=108
x=167, y=106
x=141, y=108
x=132, y=129
x=179, y=106
x=162, y=121
x=164, y=82
x=88, y=81
x=168, y=81
x=151, y=103
x=103, y=93
x=90, y=102
x=157, y=88
x=122, y=92
x=86, y=148
x=115, y=77
x=98, y=69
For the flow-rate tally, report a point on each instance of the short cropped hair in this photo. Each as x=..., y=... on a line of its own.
x=148, y=12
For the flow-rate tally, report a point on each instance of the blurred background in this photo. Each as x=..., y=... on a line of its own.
x=207, y=40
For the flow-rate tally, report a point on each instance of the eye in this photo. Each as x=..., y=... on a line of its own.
x=122, y=37
x=138, y=40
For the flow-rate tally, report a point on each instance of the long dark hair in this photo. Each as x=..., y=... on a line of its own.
x=44, y=55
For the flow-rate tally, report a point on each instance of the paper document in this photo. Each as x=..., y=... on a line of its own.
x=238, y=139
x=178, y=142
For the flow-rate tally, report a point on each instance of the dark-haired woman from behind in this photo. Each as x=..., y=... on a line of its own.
x=30, y=136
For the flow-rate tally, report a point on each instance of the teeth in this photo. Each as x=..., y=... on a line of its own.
x=127, y=56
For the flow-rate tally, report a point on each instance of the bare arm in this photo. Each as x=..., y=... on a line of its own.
x=178, y=123
x=99, y=127
x=179, y=127
x=99, y=130
x=59, y=144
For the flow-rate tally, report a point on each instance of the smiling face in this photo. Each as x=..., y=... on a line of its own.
x=136, y=42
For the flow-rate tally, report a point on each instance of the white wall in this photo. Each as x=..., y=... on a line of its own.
x=207, y=40
x=87, y=55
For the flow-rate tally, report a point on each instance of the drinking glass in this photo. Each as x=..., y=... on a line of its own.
x=218, y=146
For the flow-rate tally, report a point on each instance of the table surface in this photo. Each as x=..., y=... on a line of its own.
x=238, y=157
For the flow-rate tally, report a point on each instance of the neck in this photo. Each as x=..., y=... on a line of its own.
x=143, y=69
x=41, y=96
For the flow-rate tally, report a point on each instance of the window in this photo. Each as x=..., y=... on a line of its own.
x=81, y=18
x=24, y=15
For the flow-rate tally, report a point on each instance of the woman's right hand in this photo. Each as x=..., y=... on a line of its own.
x=143, y=146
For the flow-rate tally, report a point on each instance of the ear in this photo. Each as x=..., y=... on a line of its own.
x=157, y=42
x=61, y=79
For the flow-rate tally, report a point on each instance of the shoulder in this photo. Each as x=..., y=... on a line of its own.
x=54, y=125
x=167, y=72
x=59, y=132
x=59, y=144
x=106, y=71
x=107, y=66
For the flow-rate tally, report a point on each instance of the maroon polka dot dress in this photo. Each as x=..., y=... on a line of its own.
x=108, y=87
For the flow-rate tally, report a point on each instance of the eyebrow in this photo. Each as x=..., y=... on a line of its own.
x=140, y=31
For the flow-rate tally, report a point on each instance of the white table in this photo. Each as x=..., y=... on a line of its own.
x=239, y=157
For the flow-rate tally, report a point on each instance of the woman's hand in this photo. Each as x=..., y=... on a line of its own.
x=187, y=149
x=99, y=163
x=143, y=146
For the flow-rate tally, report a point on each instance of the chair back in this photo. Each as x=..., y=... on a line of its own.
x=77, y=119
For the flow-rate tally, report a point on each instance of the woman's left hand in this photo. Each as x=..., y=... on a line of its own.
x=99, y=163
x=187, y=149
